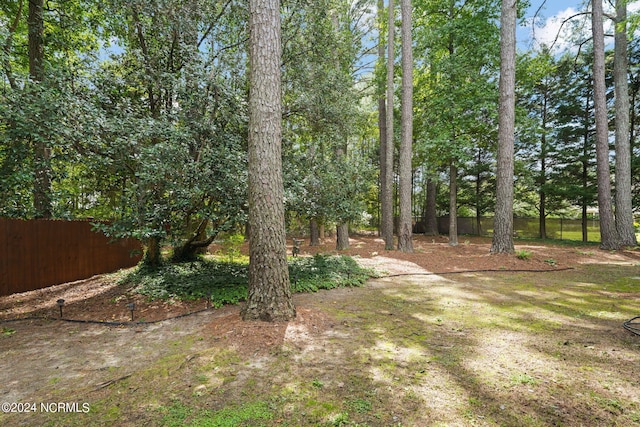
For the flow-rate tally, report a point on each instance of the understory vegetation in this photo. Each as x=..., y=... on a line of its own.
x=224, y=281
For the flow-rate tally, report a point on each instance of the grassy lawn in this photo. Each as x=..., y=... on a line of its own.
x=500, y=349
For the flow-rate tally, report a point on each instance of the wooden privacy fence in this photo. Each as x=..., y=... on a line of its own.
x=38, y=253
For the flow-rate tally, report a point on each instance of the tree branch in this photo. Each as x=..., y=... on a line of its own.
x=215, y=21
x=9, y=43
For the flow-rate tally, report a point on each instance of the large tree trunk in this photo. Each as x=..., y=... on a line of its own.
x=269, y=290
x=405, y=242
x=453, y=203
x=608, y=233
x=195, y=244
x=431, y=221
x=152, y=254
x=342, y=237
x=42, y=151
x=503, y=218
x=387, y=197
x=624, y=205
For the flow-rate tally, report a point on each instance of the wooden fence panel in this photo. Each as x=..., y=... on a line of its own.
x=38, y=253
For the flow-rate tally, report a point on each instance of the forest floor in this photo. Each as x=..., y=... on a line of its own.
x=448, y=336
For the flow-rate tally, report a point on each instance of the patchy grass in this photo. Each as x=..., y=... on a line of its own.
x=486, y=349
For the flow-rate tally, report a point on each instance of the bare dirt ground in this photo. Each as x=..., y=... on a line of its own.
x=487, y=340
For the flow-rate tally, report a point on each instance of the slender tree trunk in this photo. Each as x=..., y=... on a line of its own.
x=542, y=192
x=478, y=189
x=314, y=233
x=405, y=242
x=42, y=151
x=585, y=170
x=608, y=234
x=453, y=203
x=382, y=128
x=430, y=210
x=387, y=197
x=543, y=170
x=503, y=219
x=8, y=45
x=624, y=205
x=269, y=290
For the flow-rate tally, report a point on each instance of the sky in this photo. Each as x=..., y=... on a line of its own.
x=549, y=19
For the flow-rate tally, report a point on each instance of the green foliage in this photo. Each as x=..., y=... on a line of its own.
x=226, y=282
x=231, y=246
x=252, y=413
x=523, y=254
x=7, y=332
x=310, y=274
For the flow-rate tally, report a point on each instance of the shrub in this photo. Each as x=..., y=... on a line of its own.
x=225, y=282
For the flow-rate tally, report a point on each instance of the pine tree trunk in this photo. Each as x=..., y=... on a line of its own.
x=543, y=172
x=382, y=127
x=405, y=242
x=453, y=204
x=503, y=218
x=42, y=152
x=624, y=205
x=342, y=237
x=608, y=233
x=314, y=233
x=585, y=169
x=269, y=290
x=430, y=210
x=387, y=197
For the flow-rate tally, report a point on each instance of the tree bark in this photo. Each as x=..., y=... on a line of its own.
x=608, y=234
x=314, y=233
x=430, y=210
x=453, y=203
x=342, y=237
x=624, y=202
x=152, y=254
x=387, y=197
x=42, y=152
x=585, y=169
x=8, y=44
x=382, y=128
x=503, y=219
x=269, y=290
x=543, y=169
x=405, y=242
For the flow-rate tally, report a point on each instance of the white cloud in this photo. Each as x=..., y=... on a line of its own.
x=563, y=31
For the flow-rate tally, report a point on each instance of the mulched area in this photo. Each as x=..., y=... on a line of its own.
x=101, y=299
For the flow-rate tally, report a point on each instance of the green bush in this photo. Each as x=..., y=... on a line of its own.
x=226, y=282
x=231, y=246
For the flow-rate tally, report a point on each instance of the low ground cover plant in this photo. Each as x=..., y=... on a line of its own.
x=225, y=282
